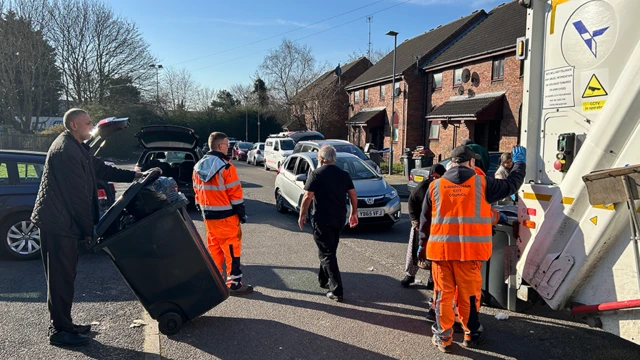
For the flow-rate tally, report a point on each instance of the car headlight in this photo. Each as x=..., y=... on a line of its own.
x=391, y=195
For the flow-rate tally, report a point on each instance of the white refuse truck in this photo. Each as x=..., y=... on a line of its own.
x=580, y=117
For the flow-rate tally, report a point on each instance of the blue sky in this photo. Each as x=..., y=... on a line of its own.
x=201, y=35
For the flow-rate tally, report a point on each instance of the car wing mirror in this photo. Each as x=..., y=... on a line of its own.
x=301, y=177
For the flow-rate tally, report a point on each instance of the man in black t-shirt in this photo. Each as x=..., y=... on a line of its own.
x=327, y=186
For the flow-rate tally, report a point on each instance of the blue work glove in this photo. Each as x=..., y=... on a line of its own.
x=503, y=218
x=421, y=253
x=519, y=154
x=243, y=219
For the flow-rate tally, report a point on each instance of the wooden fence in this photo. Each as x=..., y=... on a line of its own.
x=29, y=142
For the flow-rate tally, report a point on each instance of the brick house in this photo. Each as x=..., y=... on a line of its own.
x=370, y=94
x=325, y=101
x=475, y=86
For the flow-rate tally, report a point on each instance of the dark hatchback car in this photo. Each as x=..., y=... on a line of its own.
x=173, y=149
x=20, y=175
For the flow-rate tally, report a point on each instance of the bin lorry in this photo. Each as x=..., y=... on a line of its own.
x=577, y=231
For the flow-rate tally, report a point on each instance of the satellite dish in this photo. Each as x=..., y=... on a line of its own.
x=397, y=91
x=466, y=75
x=460, y=90
x=475, y=79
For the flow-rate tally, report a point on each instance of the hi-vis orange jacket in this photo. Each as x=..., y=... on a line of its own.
x=461, y=221
x=456, y=219
x=217, y=187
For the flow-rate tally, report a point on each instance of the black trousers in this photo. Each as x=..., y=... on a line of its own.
x=327, y=237
x=60, y=258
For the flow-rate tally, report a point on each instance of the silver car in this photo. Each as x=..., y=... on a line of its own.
x=255, y=155
x=378, y=202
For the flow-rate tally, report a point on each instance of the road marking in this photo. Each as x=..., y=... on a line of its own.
x=151, y=345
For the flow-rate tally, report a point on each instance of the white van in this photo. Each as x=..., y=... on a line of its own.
x=276, y=150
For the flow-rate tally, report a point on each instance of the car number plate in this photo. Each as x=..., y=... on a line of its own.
x=370, y=213
x=418, y=178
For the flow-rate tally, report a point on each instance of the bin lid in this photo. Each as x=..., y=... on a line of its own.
x=114, y=211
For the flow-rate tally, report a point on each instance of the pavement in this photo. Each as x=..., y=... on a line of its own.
x=288, y=316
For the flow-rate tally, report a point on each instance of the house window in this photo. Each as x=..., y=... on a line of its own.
x=396, y=122
x=434, y=131
x=366, y=95
x=382, y=91
x=498, y=69
x=356, y=97
x=457, y=77
x=437, y=81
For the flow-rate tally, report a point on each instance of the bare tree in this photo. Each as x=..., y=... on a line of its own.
x=242, y=92
x=95, y=45
x=287, y=70
x=202, y=97
x=322, y=105
x=179, y=90
x=376, y=55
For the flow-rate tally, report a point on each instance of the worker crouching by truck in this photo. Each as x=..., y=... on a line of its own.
x=456, y=232
x=218, y=192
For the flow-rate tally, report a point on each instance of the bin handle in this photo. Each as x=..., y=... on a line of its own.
x=149, y=176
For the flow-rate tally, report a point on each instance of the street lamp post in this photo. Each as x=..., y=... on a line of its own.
x=393, y=98
x=157, y=67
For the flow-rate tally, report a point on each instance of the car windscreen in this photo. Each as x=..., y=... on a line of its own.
x=351, y=149
x=356, y=168
x=245, y=145
x=286, y=145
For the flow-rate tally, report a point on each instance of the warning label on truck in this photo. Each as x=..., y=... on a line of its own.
x=594, y=88
x=593, y=105
x=558, y=88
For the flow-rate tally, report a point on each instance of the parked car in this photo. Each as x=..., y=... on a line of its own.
x=240, y=150
x=173, y=149
x=232, y=143
x=255, y=155
x=339, y=145
x=20, y=175
x=378, y=202
x=417, y=175
x=276, y=150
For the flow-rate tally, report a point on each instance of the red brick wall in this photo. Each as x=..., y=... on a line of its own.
x=512, y=85
x=408, y=106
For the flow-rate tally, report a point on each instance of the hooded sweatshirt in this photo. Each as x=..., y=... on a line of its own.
x=215, y=173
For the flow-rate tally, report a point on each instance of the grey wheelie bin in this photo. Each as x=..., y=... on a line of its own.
x=162, y=258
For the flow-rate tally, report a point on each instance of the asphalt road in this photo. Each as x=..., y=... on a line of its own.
x=288, y=316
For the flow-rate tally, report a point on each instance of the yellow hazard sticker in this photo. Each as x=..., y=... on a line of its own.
x=593, y=105
x=594, y=220
x=594, y=88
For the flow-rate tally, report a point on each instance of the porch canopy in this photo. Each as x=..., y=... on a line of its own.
x=368, y=117
x=479, y=108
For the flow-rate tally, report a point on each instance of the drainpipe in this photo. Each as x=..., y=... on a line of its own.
x=424, y=110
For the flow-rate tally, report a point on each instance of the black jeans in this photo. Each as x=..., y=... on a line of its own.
x=327, y=237
x=60, y=258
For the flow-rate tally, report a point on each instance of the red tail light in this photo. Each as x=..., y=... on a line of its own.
x=102, y=194
x=410, y=177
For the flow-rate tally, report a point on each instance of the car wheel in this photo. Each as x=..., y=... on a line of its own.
x=280, y=206
x=21, y=237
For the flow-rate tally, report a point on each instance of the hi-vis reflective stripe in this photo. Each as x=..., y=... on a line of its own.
x=460, y=238
x=216, y=208
x=237, y=202
x=460, y=220
x=208, y=187
x=232, y=184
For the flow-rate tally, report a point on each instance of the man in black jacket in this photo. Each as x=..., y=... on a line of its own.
x=66, y=211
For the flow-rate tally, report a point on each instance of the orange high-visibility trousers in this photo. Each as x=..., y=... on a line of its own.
x=224, y=241
x=466, y=278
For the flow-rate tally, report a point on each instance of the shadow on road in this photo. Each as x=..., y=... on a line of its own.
x=265, y=339
x=98, y=350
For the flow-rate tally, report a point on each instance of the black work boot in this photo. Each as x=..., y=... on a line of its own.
x=68, y=339
x=477, y=340
x=241, y=290
x=332, y=296
x=408, y=280
x=82, y=328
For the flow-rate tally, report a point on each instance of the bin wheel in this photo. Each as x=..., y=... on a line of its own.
x=170, y=323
